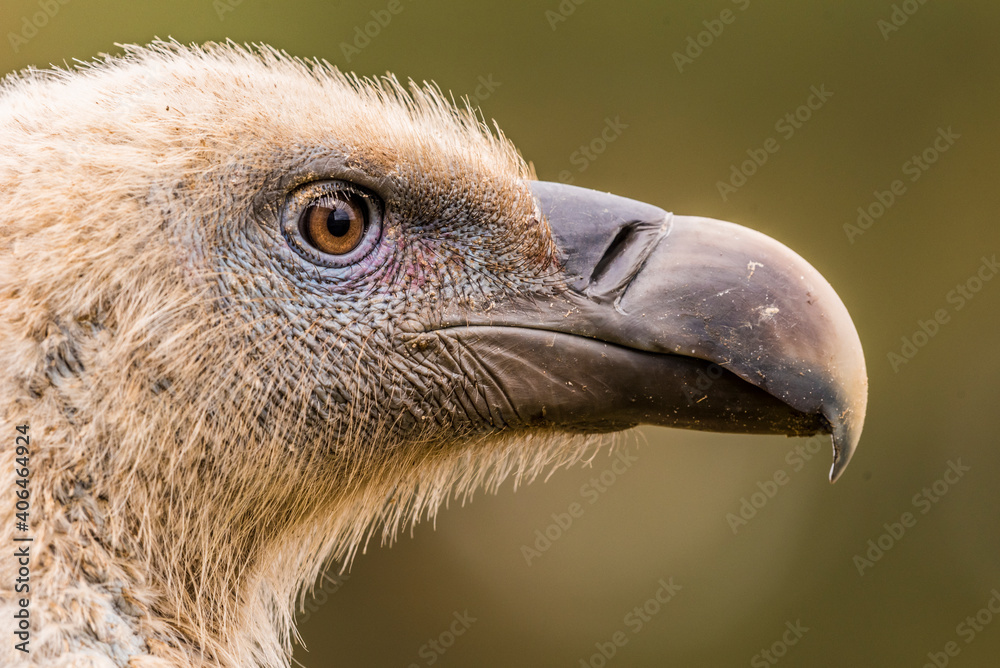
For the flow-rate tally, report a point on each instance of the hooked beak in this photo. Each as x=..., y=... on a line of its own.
x=667, y=320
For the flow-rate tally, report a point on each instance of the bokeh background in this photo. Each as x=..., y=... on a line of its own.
x=555, y=73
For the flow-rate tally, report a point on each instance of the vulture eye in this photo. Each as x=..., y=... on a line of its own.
x=335, y=224
x=332, y=223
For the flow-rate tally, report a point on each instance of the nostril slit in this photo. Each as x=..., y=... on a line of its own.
x=614, y=250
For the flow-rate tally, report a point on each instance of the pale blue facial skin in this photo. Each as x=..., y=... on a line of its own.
x=433, y=243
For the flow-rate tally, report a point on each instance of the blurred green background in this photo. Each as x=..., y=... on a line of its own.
x=553, y=74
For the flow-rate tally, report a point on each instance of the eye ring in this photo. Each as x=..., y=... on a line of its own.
x=332, y=223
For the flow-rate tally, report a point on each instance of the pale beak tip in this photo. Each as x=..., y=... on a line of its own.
x=845, y=441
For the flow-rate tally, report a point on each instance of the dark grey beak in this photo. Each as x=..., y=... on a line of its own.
x=667, y=320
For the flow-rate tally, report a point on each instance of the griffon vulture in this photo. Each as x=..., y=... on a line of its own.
x=253, y=310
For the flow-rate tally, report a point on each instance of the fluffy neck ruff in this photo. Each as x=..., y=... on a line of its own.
x=187, y=569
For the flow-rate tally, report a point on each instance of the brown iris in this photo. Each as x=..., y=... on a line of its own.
x=335, y=224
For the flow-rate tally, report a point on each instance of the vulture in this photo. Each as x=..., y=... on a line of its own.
x=255, y=311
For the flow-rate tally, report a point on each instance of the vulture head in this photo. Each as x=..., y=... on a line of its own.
x=254, y=311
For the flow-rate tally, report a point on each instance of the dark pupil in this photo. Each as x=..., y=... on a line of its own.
x=338, y=223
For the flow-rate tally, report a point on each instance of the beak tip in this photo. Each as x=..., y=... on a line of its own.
x=840, y=461
x=847, y=416
x=845, y=441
